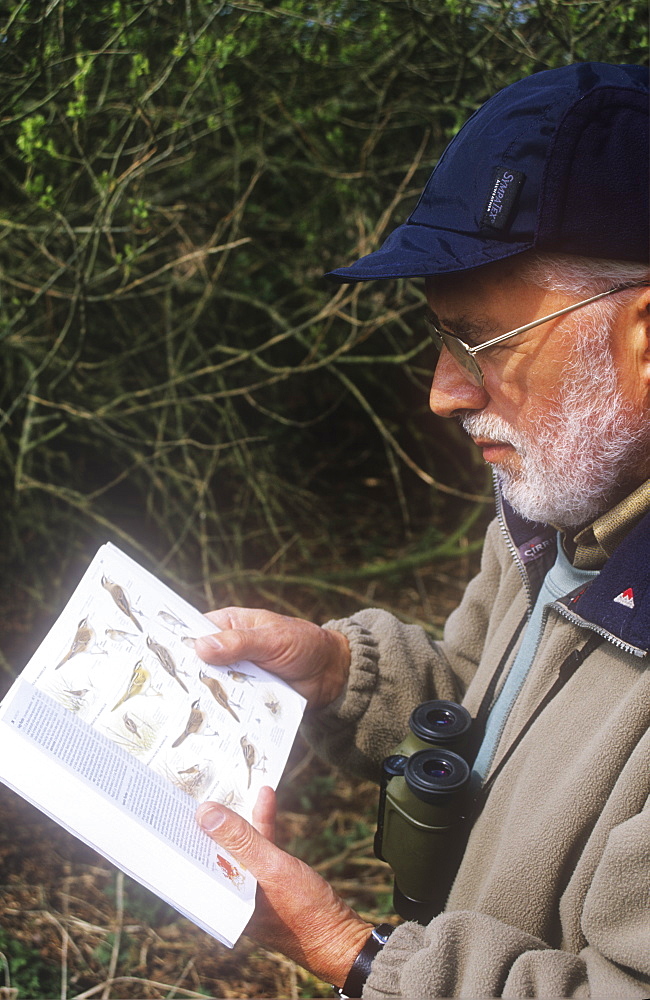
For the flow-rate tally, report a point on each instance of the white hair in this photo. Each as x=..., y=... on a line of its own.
x=579, y=275
x=582, y=277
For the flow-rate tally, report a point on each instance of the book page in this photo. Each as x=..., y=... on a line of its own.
x=111, y=770
x=117, y=698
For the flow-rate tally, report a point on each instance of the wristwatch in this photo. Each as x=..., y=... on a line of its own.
x=353, y=985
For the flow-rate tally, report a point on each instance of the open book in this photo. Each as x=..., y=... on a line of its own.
x=117, y=730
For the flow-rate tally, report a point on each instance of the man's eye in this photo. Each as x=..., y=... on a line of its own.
x=434, y=328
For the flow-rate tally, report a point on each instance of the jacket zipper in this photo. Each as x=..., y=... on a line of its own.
x=583, y=623
x=516, y=558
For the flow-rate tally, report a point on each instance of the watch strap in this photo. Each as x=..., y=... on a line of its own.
x=358, y=974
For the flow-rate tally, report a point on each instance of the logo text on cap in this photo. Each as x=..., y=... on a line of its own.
x=506, y=184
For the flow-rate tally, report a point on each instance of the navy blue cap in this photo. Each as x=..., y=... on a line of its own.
x=557, y=162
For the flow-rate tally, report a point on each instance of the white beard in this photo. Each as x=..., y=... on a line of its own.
x=577, y=454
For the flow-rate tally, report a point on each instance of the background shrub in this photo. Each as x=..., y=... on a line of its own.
x=176, y=375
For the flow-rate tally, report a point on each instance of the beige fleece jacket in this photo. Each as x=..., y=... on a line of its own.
x=552, y=897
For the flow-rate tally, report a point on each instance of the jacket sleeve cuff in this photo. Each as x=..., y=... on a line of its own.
x=334, y=731
x=385, y=978
x=353, y=701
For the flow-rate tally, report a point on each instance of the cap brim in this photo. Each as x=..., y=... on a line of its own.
x=416, y=251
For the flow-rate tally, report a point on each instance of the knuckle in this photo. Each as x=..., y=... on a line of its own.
x=219, y=616
x=241, y=840
x=237, y=836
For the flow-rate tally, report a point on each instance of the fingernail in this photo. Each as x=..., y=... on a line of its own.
x=211, y=817
x=211, y=642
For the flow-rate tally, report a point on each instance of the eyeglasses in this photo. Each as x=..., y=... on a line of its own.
x=464, y=354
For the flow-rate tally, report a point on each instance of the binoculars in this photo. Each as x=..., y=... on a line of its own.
x=423, y=806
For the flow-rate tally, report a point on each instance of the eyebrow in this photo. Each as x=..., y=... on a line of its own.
x=471, y=331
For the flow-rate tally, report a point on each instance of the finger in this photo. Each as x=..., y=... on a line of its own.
x=264, y=813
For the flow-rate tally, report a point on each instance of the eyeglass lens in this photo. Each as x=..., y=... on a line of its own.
x=459, y=353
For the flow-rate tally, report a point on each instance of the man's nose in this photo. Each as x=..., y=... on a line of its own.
x=452, y=390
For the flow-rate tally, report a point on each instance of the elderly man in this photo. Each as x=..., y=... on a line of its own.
x=532, y=236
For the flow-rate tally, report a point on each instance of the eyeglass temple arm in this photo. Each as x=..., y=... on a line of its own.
x=555, y=315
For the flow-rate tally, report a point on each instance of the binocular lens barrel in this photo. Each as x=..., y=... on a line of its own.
x=433, y=774
x=440, y=723
x=420, y=824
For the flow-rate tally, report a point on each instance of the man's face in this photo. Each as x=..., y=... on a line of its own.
x=564, y=426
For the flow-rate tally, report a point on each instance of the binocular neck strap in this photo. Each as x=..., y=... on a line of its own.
x=488, y=697
x=568, y=668
x=477, y=732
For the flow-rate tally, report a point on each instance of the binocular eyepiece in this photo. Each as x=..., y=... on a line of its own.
x=422, y=808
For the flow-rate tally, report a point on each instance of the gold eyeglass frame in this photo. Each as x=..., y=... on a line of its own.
x=463, y=354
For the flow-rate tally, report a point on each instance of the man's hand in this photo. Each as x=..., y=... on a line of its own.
x=297, y=913
x=313, y=660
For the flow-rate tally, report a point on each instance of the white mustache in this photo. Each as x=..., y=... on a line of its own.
x=488, y=425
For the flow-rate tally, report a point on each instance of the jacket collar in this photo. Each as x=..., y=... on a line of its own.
x=616, y=602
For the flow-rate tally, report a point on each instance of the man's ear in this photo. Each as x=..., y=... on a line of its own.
x=633, y=327
x=643, y=326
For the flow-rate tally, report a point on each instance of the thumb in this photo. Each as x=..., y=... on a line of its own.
x=260, y=644
x=225, y=647
x=247, y=845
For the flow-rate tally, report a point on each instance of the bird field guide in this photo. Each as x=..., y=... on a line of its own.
x=117, y=730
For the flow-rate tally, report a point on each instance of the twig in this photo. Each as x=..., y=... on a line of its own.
x=188, y=967
x=119, y=919
x=5, y=968
x=385, y=433
x=357, y=845
x=65, y=942
x=109, y=983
